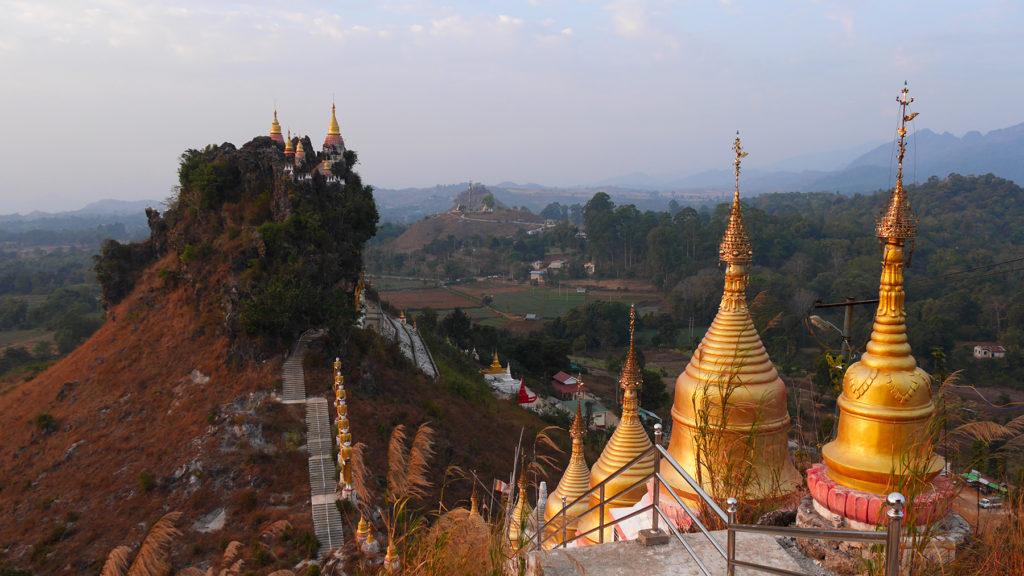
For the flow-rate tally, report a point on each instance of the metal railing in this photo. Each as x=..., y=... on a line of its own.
x=559, y=524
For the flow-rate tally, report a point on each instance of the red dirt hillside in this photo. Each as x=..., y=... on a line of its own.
x=151, y=393
x=170, y=405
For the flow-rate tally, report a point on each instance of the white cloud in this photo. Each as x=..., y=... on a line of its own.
x=451, y=26
x=547, y=22
x=504, y=19
x=629, y=17
x=566, y=32
x=845, y=19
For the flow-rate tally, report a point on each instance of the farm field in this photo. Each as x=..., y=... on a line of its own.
x=24, y=338
x=510, y=301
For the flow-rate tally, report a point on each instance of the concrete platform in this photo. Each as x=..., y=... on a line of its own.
x=632, y=559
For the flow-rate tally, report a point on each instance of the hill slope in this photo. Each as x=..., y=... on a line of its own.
x=170, y=405
x=465, y=225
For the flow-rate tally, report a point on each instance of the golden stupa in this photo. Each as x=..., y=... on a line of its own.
x=495, y=367
x=627, y=442
x=886, y=402
x=574, y=483
x=729, y=418
x=519, y=519
x=289, y=145
x=275, y=129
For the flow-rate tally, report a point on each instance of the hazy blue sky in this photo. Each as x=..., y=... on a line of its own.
x=100, y=98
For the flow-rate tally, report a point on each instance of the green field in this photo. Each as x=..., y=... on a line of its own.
x=19, y=336
x=387, y=284
x=543, y=302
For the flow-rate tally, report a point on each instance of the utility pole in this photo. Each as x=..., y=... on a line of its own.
x=847, y=348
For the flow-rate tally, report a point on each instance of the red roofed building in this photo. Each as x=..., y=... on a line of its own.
x=567, y=386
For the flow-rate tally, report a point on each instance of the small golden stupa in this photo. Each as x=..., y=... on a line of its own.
x=344, y=436
x=521, y=513
x=729, y=418
x=886, y=402
x=574, y=483
x=289, y=146
x=495, y=367
x=627, y=442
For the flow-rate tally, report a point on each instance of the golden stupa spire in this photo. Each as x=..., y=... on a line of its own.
x=627, y=442
x=333, y=129
x=735, y=246
x=574, y=483
x=896, y=220
x=886, y=402
x=730, y=422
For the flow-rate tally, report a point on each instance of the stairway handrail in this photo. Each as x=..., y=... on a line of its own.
x=890, y=537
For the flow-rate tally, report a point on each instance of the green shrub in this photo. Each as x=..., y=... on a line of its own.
x=146, y=481
x=46, y=422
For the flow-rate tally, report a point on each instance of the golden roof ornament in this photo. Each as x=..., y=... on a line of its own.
x=886, y=402
x=735, y=247
x=730, y=422
x=289, y=145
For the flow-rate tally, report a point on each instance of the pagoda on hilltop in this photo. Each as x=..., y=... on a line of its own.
x=628, y=442
x=729, y=420
x=275, y=130
x=332, y=165
x=884, y=442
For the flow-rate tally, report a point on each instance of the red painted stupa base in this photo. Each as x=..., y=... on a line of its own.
x=869, y=508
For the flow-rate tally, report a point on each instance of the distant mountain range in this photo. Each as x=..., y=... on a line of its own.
x=1000, y=152
x=108, y=207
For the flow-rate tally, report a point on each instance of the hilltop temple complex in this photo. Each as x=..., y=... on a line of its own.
x=331, y=166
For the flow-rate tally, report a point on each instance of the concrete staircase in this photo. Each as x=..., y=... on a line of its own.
x=320, y=444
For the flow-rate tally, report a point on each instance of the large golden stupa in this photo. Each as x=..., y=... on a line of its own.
x=729, y=418
x=627, y=442
x=575, y=482
x=886, y=403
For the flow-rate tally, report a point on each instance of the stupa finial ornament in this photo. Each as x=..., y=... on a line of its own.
x=897, y=222
x=735, y=247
